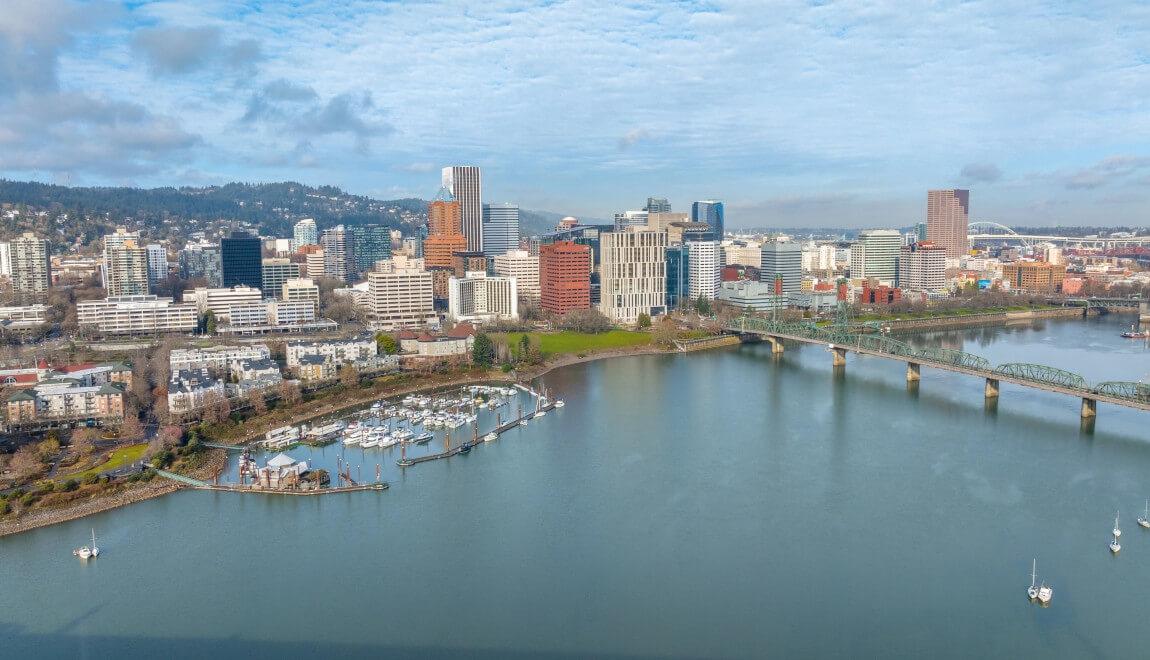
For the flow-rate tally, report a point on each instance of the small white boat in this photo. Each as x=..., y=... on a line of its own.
x=559, y=403
x=1117, y=532
x=86, y=552
x=1045, y=594
x=1144, y=521
x=1032, y=592
x=1115, y=546
x=490, y=436
x=541, y=413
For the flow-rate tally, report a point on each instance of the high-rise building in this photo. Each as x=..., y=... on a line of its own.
x=678, y=275
x=399, y=293
x=628, y=219
x=115, y=240
x=202, y=260
x=660, y=221
x=276, y=271
x=338, y=253
x=300, y=290
x=524, y=267
x=922, y=267
x=465, y=184
x=438, y=249
x=372, y=243
x=564, y=276
x=31, y=268
x=875, y=255
x=125, y=268
x=5, y=259
x=481, y=297
x=500, y=228
x=947, y=220
x=305, y=233
x=920, y=231
x=709, y=211
x=786, y=259
x=657, y=205
x=703, y=275
x=157, y=263
x=633, y=274
x=241, y=256
x=444, y=215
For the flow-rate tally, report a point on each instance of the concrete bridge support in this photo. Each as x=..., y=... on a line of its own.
x=1089, y=408
x=913, y=370
x=839, y=358
x=776, y=344
x=991, y=388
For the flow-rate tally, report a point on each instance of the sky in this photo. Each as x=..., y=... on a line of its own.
x=795, y=114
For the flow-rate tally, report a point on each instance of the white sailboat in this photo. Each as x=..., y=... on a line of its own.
x=1115, y=546
x=85, y=552
x=1144, y=521
x=1117, y=532
x=1032, y=592
x=95, y=548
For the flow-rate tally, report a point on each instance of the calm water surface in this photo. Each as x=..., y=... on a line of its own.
x=723, y=504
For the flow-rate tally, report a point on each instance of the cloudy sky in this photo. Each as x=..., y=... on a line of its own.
x=796, y=113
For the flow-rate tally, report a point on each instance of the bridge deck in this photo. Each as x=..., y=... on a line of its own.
x=981, y=373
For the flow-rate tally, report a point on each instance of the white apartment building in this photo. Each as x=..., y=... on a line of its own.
x=300, y=290
x=524, y=267
x=353, y=350
x=216, y=358
x=922, y=267
x=129, y=315
x=480, y=297
x=5, y=259
x=703, y=270
x=125, y=267
x=191, y=388
x=633, y=277
x=305, y=233
x=276, y=271
x=220, y=301
x=21, y=317
x=157, y=263
x=400, y=293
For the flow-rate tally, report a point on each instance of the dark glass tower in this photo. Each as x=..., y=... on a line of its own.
x=710, y=212
x=242, y=260
x=372, y=243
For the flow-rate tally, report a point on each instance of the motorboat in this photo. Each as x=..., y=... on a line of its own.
x=86, y=552
x=422, y=438
x=559, y=403
x=490, y=436
x=1045, y=593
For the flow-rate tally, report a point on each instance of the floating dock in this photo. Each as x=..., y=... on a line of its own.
x=498, y=430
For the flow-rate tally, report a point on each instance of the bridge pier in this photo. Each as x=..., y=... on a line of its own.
x=776, y=344
x=839, y=356
x=913, y=370
x=991, y=390
x=1089, y=408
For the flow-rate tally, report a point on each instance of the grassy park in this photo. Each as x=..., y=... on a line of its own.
x=560, y=343
x=117, y=459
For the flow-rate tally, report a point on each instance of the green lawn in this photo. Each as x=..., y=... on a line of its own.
x=117, y=459
x=558, y=343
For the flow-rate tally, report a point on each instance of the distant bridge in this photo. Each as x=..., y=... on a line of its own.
x=839, y=340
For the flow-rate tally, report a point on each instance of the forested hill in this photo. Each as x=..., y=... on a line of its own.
x=86, y=213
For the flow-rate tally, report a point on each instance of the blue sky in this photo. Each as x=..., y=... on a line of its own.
x=794, y=113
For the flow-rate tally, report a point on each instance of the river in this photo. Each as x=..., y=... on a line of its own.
x=720, y=504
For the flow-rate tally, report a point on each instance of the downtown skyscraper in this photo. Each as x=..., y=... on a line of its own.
x=947, y=220
x=500, y=228
x=465, y=184
x=709, y=211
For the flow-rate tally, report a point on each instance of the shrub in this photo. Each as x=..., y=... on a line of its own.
x=5, y=508
x=27, y=500
x=90, y=479
x=71, y=485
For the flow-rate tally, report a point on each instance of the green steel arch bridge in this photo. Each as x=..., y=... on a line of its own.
x=840, y=340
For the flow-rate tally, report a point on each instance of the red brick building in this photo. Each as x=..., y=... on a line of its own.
x=565, y=276
x=879, y=295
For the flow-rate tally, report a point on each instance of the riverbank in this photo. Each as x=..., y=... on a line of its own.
x=139, y=492
x=972, y=320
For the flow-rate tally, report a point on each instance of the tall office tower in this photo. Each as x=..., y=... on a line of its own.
x=399, y=293
x=703, y=275
x=628, y=219
x=5, y=259
x=276, y=271
x=564, y=276
x=439, y=248
x=500, y=228
x=466, y=186
x=947, y=220
x=444, y=215
x=524, y=267
x=660, y=220
x=633, y=274
x=114, y=240
x=202, y=260
x=306, y=233
x=157, y=263
x=709, y=211
x=657, y=205
x=241, y=257
x=784, y=259
x=31, y=269
x=338, y=252
x=920, y=231
x=875, y=254
x=125, y=268
x=678, y=275
x=372, y=243
x=922, y=267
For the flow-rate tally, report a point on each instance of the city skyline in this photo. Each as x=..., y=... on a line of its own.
x=158, y=93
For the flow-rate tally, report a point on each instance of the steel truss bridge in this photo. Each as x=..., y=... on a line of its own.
x=840, y=339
